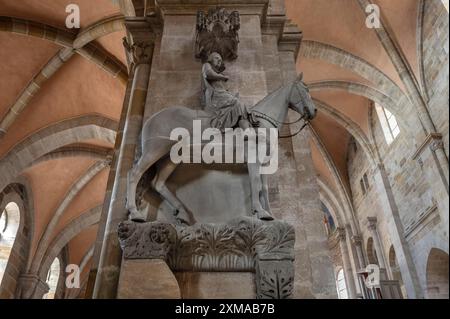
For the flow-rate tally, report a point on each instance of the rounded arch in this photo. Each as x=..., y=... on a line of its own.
x=437, y=274
x=9, y=225
x=317, y=50
x=400, y=106
x=86, y=220
x=395, y=270
x=21, y=194
x=50, y=138
x=352, y=128
x=341, y=284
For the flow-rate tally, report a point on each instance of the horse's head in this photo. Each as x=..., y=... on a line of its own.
x=300, y=100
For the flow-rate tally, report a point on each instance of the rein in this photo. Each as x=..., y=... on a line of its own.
x=276, y=123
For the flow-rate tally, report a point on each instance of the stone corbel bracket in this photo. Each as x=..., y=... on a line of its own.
x=243, y=244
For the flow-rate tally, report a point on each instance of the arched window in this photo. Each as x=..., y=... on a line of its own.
x=328, y=219
x=388, y=123
x=437, y=274
x=52, y=279
x=9, y=224
x=341, y=285
x=395, y=269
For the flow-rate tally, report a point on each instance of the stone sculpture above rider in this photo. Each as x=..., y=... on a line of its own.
x=228, y=111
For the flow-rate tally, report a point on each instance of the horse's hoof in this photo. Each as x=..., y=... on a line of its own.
x=264, y=215
x=182, y=216
x=136, y=217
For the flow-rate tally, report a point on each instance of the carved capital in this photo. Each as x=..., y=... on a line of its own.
x=243, y=244
x=436, y=144
x=372, y=223
x=433, y=141
x=146, y=240
x=32, y=286
x=213, y=247
x=340, y=231
x=140, y=52
x=141, y=39
x=356, y=240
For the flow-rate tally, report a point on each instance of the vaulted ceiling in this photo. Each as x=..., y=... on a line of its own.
x=86, y=90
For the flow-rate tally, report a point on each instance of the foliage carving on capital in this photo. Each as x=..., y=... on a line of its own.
x=141, y=52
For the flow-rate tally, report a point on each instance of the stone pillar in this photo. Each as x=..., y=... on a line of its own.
x=351, y=287
x=108, y=194
x=372, y=226
x=437, y=176
x=357, y=243
x=32, y=287
x=313, y=244
x=140, y=47
x=294, y=194
x=396, y=231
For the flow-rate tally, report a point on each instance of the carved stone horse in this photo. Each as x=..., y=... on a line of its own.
x=156, y=145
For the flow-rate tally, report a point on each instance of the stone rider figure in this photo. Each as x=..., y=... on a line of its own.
x=227, y=109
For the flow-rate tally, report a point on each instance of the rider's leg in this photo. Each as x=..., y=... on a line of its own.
x=244, y=124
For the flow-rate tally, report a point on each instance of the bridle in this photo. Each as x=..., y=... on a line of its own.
x=277, y=123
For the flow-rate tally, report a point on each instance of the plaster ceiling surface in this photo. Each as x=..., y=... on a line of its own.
x=89, y=197
x=402, y=18
x=81, y=88
x=50, y=182
x=96, y=142
x=322, y=170
x=316, y=70
x=341, y=23
x=81, y=243
x=25, y=57
x=53, y=12
x=112, y=43
x=335, y=139
x=355, y=107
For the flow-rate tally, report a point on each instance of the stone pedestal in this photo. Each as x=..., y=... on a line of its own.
x=147, y=279
x=216, y=285
x=223, y=253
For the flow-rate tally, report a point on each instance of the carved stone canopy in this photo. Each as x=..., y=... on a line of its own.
x=217, y=31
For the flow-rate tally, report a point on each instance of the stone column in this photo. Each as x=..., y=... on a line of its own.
x=108, y=194
x=396, y=231
x=372, y=226
x=347, y=265
x=140, y=46
x=357, y=243
x=32, y=287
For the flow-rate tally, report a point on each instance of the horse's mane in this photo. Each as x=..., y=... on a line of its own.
x=271, y=96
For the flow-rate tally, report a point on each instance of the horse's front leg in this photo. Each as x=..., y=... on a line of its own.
x=165, y=169
x=256, y=188
x=265, y=193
